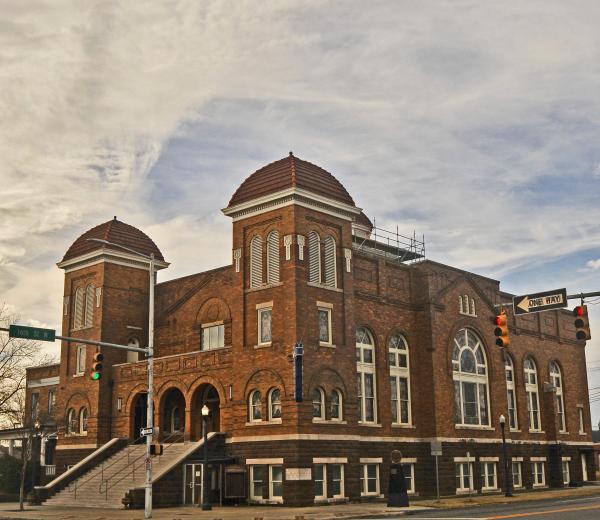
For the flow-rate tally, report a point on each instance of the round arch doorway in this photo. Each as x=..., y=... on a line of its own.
x=205, y=395
x=139, y=413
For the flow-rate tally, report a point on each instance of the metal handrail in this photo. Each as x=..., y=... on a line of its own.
x=94, y=474
x=131, y=467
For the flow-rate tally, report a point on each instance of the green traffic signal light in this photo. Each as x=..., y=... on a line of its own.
x=96, y=376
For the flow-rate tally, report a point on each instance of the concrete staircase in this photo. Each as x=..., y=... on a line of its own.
x=107, y=483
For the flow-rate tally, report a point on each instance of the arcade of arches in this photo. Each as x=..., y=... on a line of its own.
x=178, y=416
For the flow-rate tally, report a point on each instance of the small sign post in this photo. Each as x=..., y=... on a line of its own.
x=436, y=451
x=538, y=302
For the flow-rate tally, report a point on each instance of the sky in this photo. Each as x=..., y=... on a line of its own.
x=473, y=123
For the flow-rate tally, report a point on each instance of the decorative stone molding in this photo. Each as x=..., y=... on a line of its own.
x=66, y=300
x=237, y=254
x=301, y=239
x=287, y=242
x=348, y=258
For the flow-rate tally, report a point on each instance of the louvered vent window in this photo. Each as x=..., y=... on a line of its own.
x=256, y=262
x=273, y=257
x=78, y=314
x=330, y=267
x=89, y=305
x=314, y=257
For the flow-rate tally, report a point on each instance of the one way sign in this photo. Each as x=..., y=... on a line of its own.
x=537, y=302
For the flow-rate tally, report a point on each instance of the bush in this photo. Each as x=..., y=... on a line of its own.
x=10, y=475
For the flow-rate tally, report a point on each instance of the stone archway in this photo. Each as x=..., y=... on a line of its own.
x=172, y=414
x=208, y=395
x=138, y=415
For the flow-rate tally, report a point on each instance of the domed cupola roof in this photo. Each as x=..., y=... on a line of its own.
x=113, y=231
x=288, y=173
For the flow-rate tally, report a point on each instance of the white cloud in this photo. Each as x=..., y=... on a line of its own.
x=592, y=265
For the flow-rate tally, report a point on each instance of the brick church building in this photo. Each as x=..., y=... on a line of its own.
x=399, y=354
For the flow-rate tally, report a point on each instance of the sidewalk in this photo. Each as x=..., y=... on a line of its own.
x=331, y=512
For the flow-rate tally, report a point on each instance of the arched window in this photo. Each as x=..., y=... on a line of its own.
x=79, y=303
x=318, y=402
x=273, y=257
x=314, y=257
x=335, y=405
x=176, y=422
x=399, y=379
x=330, y=261
x=255, y=405
x=365, y=375
x=556, y=380
x=511, y=396
x=531, y=389
x=256, y=270
x=71, y=421
x=89, y=305
x=132, y=356
x=274, y=404
x=83, y=421
x=469, y=372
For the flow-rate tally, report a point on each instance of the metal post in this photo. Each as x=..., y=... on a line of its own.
x=507, y=486
x=437, y=478
x=205, y=494
x=150, y=399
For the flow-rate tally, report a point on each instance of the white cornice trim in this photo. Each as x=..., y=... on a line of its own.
x=110, y=256
x=45, y=381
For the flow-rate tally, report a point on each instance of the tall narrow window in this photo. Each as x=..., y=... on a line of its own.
x=330, y=262
x=533, y=400
x=51, y=402
x=255, y=403
x=79, y=303
x=314, y=257
x=369, y=479
x=132, y=356
x=399, y=379
x=71, y=421
x=83, y=421
x=265, y=318
x=256, y=269
x=320, y=479
x=335, y=405
x=581, y=421
x=365, y=376
x=80, y=368
x=469, y=371
x=556, y=380
x=89, y=305
x=511, y=397
x=274, y=404
x=318, y=401
x=273, y=257
x=35, y=405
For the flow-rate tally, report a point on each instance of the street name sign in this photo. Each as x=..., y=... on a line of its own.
x=538, y=302
x=23, y=332
x=436, y=448
x=145, y=432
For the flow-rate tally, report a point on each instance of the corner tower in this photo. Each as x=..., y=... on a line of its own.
x=105, y=299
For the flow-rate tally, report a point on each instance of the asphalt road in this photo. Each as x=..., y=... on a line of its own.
x=585, y=508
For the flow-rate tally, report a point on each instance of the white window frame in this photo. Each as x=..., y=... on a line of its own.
x=513, y=416
x=79, y=308
x=260, y=331
x=519, y=473
x=535, y=465
x=253, y=497
x=565, y=464
x=340, y=405
x=206, y=334
x=51, y=402
x=320, y=402
x=80, y=361
x=411, y=469
x=557, y=381
x=459, y=468
x=83, y=421
x=132, y=356
x=397, y=351
x=71, y=422
x=273, y=417
x=314, y=257
x=365, y=369
x=466, y=305
x=273, y=257
x=342, y=491
x=272, y=496
x=581, y=420
x=322, y=496
x=252, y=406
x=256, y=267
x=532, y=392
x=330, y=261
x=329, y=341
x=89, y=307
x=480, y=377
x=489, y=469
x=364, y=480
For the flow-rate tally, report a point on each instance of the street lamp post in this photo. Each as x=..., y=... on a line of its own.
x=205, y=494
x=150, y=356
x=507, y=486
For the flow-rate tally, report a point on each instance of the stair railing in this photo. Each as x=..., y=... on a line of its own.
x=93, y=474
x=110, y=482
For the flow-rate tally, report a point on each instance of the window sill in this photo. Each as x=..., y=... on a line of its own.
x=264, y=423
x=371, y=495
x=323, y=286
x=263, y=287
x=266, y=501
x=515, y=430
x=490, y=491
x=318, y=420
x=563, y=433
x=332, y=500
x=224, y=347
x=465, y=492
x=405, y=426
x=327, y=345
x=78, y=375
x=264, y=345
x=539, y=486
x=537, y=431
x=369, y=425
x=71, y=435
x=583, y=434
x=467, y=314
x=474, y=427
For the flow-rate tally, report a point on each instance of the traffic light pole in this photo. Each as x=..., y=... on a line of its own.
x=150, y=395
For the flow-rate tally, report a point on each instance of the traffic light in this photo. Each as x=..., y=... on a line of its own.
x=582, y=323
x=501, y=330
x=96, y=372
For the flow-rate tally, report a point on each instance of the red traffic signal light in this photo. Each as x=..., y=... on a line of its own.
x=96, y=372
x=501, y=329
x=582, y=323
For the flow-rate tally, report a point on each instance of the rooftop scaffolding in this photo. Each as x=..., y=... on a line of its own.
x=391, y=246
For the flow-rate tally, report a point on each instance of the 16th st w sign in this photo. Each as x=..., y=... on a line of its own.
x=543, y=301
